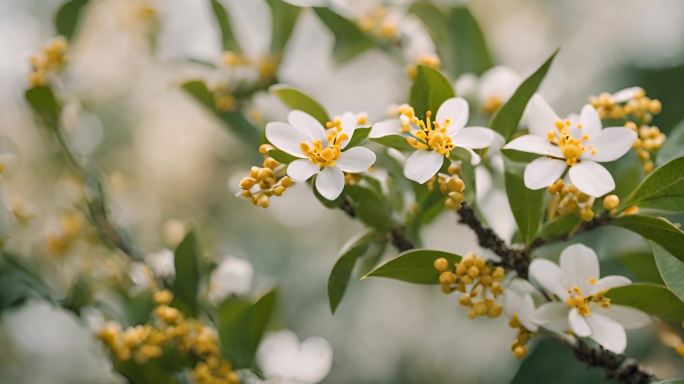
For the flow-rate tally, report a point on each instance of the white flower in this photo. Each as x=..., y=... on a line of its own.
x=627, y=94
x=232, y=276
x=584, y=309
x=578, y=144
x=434, y=140
x=492, y=89
x=284, y=360
x=162, y=263
x=321, y=152
x=518, y=304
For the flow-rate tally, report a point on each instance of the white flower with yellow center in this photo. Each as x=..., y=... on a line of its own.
x=491, y=90
x=321, y=151
x=583, y=308
x=434, y=139
x=579, y=144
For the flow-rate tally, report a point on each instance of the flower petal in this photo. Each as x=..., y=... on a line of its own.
x=526, y=313
x=474, y=137
x=591, y=178
x=625, y=94
x=609, y=282
x=302, y=169
x=610, y=144
x=307, y=124
x=330, y=183
x=422, y=165
x=357, y=159
x=540, y=117
x=553, y=316
x=542, y=172
x=579, y=264
x=607, y=332
x=474, y=157
x=348, y=126
x=384, y=128
x=285, y=137
x=549, y=276
x=456, y=110
x=630, y=318
x=590, y=120
x=513, y=301
x=534, y=144
x=579, y=324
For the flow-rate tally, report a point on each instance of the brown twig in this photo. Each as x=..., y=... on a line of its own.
x=617, y=367
x=397, y=234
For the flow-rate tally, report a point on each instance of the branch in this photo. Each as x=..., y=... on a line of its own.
x=397, y=234
x=616, y=366
x=598, y=221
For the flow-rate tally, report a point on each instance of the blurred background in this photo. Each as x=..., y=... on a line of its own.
x=167, y=165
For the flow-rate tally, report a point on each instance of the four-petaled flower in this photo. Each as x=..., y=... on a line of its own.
x=434, y=139
x=579, y=145
x=583, y=308
x=320, y=151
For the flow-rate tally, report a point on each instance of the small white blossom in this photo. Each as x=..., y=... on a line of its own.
x=519, y=304
x=162, y=263
x=284, y=360
x=232, y=276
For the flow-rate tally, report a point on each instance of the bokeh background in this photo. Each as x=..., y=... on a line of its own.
x=166, y=161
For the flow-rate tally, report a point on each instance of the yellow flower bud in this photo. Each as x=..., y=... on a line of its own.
x=447, y=278
x=441, y=264
x=611, y=202
x=163, y=297
x=464, y=299
x=586, y=214
x=520, y=351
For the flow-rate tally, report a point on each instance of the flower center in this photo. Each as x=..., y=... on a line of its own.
x=325, y=155
x=571, y=147
x=430, y=135
x=492, y=104
x=581, y=302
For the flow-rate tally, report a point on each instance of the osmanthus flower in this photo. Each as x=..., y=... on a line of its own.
x=580, y=144
x=322, y=152
x=519, y=308
x=583, y=308
x=434, y=139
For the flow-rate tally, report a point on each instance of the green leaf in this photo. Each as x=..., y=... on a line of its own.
x=370, y=207
x=558, y=226
x=296, y=99
x=282, y=156
x=429, y=90
x=350, y=41
x=228, y=40
x=241, y=325
x=44, y=104
x=470, y=47
x=343, y=268
x=674, y=145
x=507, y=118
x=671, y=270
x=642, y=265
x=187, y=264
x=67, y=17
x=397, y=142
x=662, y=189
x=150, y=372
x=656, y=229
x=527, y=205
x=359, y=135
x=415, y=266
x=284, y=17
x=654, y=299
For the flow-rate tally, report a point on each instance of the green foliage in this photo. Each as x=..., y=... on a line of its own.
x=350, y=41
x=642, y=265
x=653, y=299
x=67, y=17
x=558, y=226
x=674, y=145
x=19, y=283
x=359, y=135
x=471, y=53
x=187, y=264
x=282, y=156
x=370, y=207
x=507, y=118
x=150, y=372
x=397, y=142
x=662, y=189
x=284, y=17
x=296, y=99
x=656, y=229
x=241, y=325
x=228, y=40
x=527, y=205
x=429, y=90
x=414, y=266
x=44, y=104
x=671, y=269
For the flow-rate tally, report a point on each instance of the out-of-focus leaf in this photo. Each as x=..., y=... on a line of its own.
x=284, y=17
x=627, y=172
x=674, y=145
x=471, y=53
x=551, y=361
x=359, y=135
x=662, y=189
x=437, y=24
x=19, y=283
x=228, y=41
x=187, y=264
x=343, y=268
x=67, y=17
x=558, y=226
x=241, y=326
x=44, y=104
x=642, y=265
x=296, y=99
x=350, y=41
x=150, y=372
x=656, y=229
x=527, y=205
x=370, y=207
x=415, y=266
x=139, y=307
x=397, y=142
x=429, y=90
x=671, y=269
x=654, y=299
x=507, y=118
x=282, y=156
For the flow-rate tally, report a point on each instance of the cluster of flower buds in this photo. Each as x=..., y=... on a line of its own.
x=519, y=345
x=381, y=23
x=426, y=59
x=568, y=199
x=478, y=281
x=70, y=226
x=264, y=182
x=452, y=186
x=51, y=60
x=266, y=66
x=628, y=103
x=650, y=140
x=170, y=328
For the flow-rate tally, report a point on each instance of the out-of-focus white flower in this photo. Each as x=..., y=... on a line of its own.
x=322, y=152
x=466, y=86
x=284, y=360
x=434, y=140
x=232, y=276
x=162, y=263
x=174, y=231
x=627, y=94
x=584, y=310
x=580, y=144
x=7, y=220
x=141, y=275
x=491, y=90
